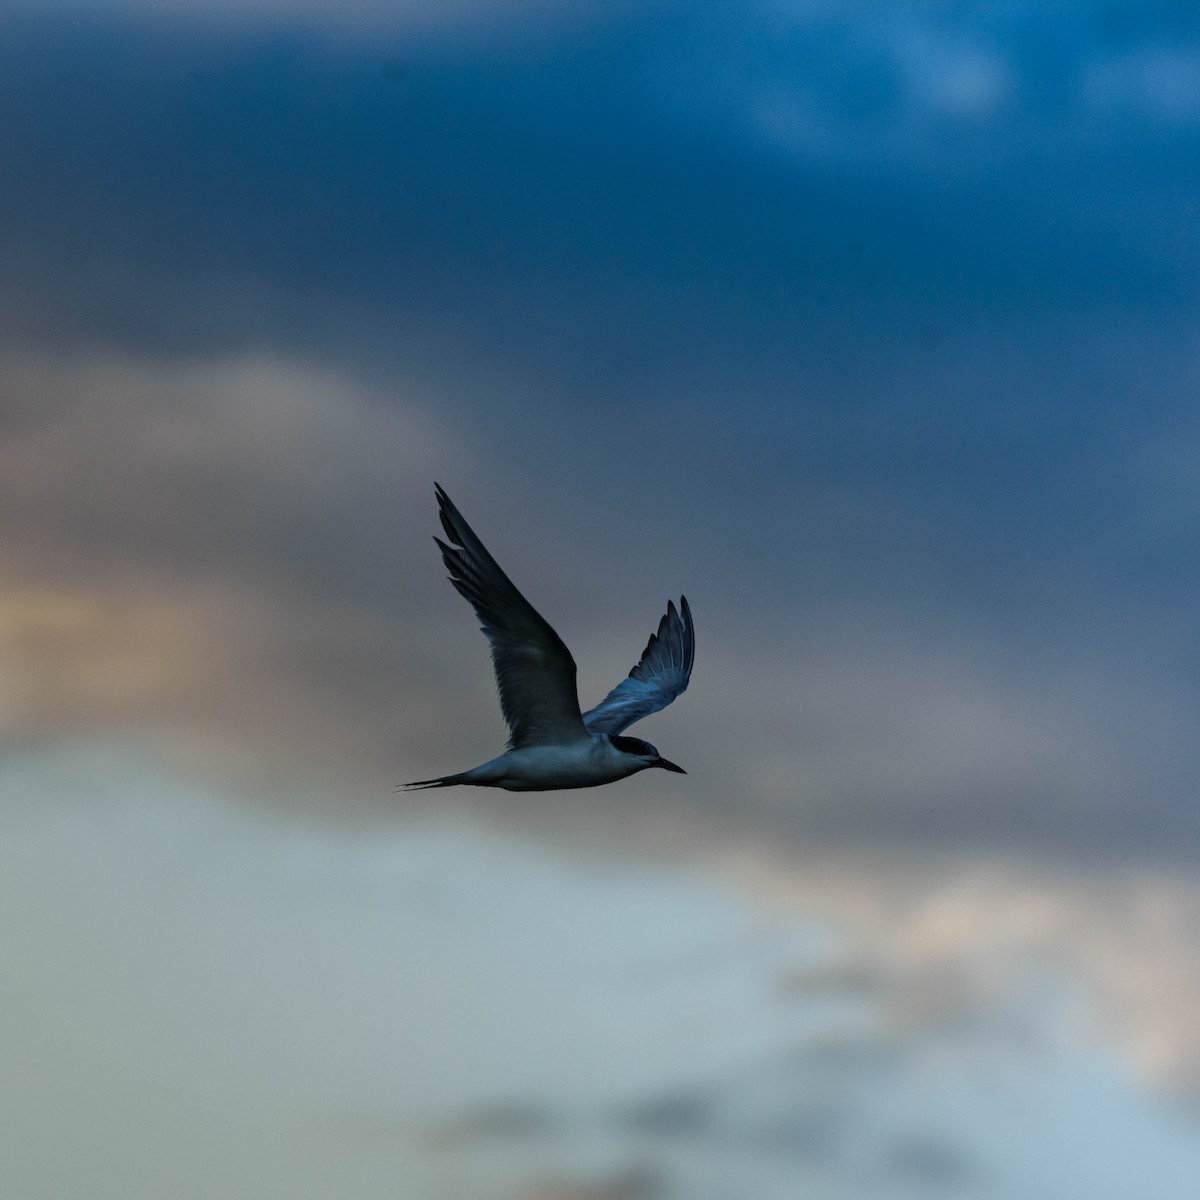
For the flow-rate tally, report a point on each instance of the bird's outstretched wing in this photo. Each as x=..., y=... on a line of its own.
x=661, y=675
x=534, y=670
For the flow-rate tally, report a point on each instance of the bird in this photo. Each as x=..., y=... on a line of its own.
x=551, y=744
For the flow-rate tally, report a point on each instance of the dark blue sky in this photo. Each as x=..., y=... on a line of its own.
x=872, y=327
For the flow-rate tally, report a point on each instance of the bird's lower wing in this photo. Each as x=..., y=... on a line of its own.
x=534, y=669
x=661, y=674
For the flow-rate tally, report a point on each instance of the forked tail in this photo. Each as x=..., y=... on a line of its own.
x=420, y=785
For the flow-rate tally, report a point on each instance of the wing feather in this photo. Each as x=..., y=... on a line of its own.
x=535, y=672
x=661, y=674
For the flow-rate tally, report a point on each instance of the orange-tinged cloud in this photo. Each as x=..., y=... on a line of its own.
x=72, y=658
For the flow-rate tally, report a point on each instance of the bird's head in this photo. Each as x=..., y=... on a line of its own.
x=645, y=753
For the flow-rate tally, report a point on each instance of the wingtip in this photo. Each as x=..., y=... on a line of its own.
x=449, y=517
x=684, y=610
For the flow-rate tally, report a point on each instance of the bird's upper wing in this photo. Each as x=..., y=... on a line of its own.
x=661, y=675
x=534, y=670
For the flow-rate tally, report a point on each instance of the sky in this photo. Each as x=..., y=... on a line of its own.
x=871, y=328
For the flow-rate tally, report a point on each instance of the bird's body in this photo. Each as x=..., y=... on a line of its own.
x=586, y=763
x=552, y=744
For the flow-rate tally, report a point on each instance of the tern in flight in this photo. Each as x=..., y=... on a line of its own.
x=551, y=744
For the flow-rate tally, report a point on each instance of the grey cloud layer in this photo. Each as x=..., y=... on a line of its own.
x=868, y=327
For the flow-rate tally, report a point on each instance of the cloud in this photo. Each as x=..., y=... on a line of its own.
x=930, y=92
x=954, y=160
x=199, y=979
x=881, y=435
x=209, y=550
x=244, y=461
x=232, y=553
x=869, y=327
x=991, y=945
x=70, y=656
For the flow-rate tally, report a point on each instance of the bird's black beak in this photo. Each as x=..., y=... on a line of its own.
x=670, y=766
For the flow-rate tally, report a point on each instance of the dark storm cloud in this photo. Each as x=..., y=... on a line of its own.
x=653, y=159
x=876, y=321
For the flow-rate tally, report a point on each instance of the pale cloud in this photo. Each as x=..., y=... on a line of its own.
x=954, y=76
x=894, y=88
x=200, y=984
x=114, y=434
x=930, y=88
x=984, y=941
